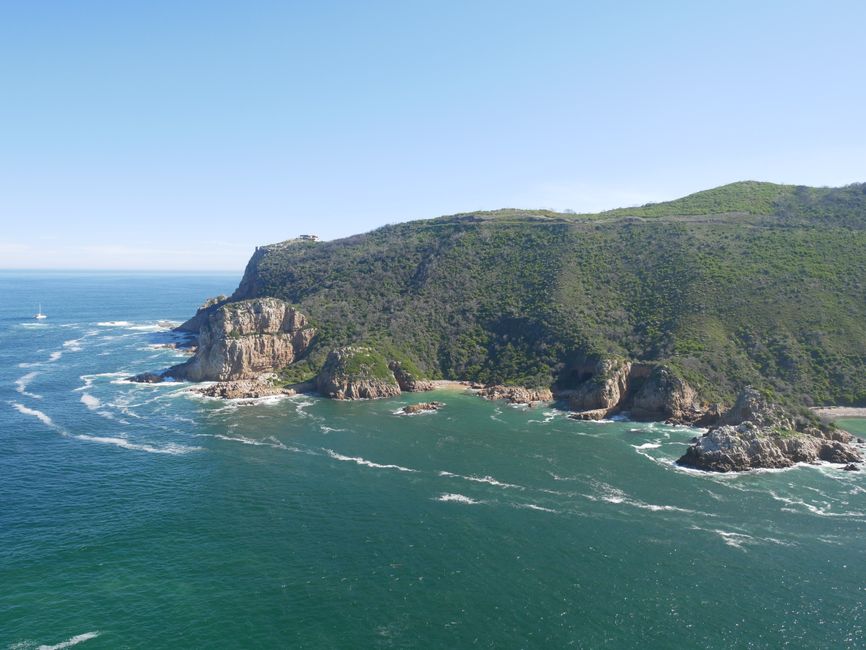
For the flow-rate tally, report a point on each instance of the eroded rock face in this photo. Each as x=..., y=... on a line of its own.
x=603, y=394
x=664, y=396
x=748, y=446
x=407, y=381
x=758, y=434
x=242, y=340
x=516, y=394
x=195, y=323
x=646, y=391
x=356, y=372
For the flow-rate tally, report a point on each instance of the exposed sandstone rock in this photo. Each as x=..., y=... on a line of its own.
x=242, y=389
x=758, y=434
x=603, y=394
x=356, y=373
x=423, y=407
x=195, y=323
x=664, y=396
x=516, y=394
x=646, y=391
x=242, y=340
x=407, y=381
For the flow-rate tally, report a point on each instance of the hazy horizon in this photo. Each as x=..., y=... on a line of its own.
x=168, y=136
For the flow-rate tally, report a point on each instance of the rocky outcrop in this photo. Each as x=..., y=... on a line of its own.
x=356, y=372
x=242, y=389
x=407, y=381
x=603, y=394
x=756, y=433
x=516, y=394
x=665, y=396
x=423, y=407
x=645, y=391
x=243, y=340
x=195, y=323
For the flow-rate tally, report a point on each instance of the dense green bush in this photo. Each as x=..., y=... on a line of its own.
x=749, y=283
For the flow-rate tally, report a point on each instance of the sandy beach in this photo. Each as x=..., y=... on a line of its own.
x=830, y=413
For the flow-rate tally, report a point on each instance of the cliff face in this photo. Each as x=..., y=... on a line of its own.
x=242, y=340
x=646, y=391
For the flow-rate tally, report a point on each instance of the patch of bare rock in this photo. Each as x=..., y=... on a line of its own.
x=423, y=407
x=515, y=394
x=756, y=433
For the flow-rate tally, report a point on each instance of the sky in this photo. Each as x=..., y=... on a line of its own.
x=180, y=135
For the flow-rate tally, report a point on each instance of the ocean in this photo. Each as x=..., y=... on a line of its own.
x=144, y=516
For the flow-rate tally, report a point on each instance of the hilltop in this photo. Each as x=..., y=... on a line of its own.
x=746, y=284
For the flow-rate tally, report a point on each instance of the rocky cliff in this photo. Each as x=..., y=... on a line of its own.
x=243, y=340
x=645, y=391
x=756, y=433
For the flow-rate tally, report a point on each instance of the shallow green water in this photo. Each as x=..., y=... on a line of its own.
x=141, y=516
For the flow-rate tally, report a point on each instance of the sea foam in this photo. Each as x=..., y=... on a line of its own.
x=78, y=638
x=367, y=463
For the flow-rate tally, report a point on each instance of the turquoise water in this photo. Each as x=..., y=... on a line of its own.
x=136, y=516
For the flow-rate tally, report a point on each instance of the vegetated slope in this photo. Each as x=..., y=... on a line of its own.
x=750, y=283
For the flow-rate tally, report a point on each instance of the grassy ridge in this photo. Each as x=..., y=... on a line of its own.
x=766, y=288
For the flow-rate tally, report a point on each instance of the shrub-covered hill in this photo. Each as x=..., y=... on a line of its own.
x=750, y=283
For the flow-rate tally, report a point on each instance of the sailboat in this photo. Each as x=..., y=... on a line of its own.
x=39, y=315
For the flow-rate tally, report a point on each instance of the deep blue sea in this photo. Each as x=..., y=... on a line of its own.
x=143, y=516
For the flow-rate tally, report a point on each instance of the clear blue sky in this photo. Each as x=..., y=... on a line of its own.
x=173, y=135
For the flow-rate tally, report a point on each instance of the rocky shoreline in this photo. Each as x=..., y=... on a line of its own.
x=241, y=345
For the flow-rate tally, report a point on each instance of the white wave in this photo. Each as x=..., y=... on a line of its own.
x=114, y=323
x=39, y=415
x=483, y=479
x=736, y=540
x=814, y=509
x=23, y=382
x=73, y=345
x=146, y=328
x=367, y=463
x=90, y=401
x=648, y=445
x=616, y=496
x=171, y=448
x=457, y=498
x=532, y=506
x=78, y=638
x=329, y=429
x=54, y=356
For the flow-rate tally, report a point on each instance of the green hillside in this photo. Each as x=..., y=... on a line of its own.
x=750, y=283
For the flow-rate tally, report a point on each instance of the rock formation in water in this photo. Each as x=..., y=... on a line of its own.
x=243, y=340
x=516, y=394
x=242, y=389
x=423, y=407
x=756, y=433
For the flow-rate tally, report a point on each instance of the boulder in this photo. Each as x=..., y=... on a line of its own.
x=423, y=407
